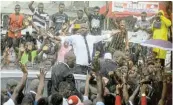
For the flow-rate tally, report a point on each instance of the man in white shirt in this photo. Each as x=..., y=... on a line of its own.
x=81, y=46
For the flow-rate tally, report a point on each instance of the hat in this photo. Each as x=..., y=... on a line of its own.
x=73, y=100
x=108, y=56
x=161, y=11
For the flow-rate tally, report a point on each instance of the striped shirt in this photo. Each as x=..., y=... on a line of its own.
x=40, y=19
x=117, y=42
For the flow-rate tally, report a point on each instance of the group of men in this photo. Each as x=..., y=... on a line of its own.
x=60, y=27
x=113, y=80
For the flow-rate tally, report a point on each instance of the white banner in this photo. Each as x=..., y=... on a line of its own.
x=135, y=7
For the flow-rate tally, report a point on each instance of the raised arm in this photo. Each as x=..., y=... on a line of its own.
x=125, y=90
x=99, y=88
x=22, y=83
x=86, y=94
x=132, y=97
x=143, y=94
x=166, y=21
x=104, y=37
x=127, y=41
x=41, y=85
x=164, y=90
x=30, y=6
x=86, y=9
x=118, y=96
x=107, y=9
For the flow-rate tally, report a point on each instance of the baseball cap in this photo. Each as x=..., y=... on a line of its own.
x=73, y=100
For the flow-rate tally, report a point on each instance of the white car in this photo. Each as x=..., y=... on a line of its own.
x=5, y=75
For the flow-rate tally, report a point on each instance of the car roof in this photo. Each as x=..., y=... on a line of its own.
x=32, y=74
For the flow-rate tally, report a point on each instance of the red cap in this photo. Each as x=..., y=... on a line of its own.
x=73, y=100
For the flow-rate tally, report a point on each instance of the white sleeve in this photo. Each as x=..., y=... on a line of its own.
x=9, y=102
x=100, y=38
x=70, y=39
x=85, y=98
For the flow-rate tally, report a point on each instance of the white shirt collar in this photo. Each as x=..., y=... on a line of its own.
x=33, y=92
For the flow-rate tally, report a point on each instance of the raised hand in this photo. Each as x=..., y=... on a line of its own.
x=124, y=77
x=23, y=67
x=118, y=88
x=42, y=74
x=143, y=88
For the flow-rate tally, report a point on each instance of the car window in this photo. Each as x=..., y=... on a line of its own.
x=4, y=81
x=27, y=86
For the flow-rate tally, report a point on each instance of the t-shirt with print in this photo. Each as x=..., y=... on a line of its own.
x=58, y=19
x=80, y=21
x=143, y=24
x=96, y=23
x=142, y=35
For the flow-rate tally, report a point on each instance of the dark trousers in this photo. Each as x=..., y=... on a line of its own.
x=13, y=42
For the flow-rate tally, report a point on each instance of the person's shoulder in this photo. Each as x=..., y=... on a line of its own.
x=11, y=15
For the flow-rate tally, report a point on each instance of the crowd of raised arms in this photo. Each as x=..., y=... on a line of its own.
x=116, y=73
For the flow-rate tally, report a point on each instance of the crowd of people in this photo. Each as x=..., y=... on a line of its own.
x=115, y=73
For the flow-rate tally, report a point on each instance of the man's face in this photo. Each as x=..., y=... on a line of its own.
x=84, y=31
x=119, y=59
x=151, y=68
x=143, y=17
x=96, y=11
x=124, y=69
x=29, y=46
x=122, y=24
x=40, y=8
x=61, y=8
x=17, y=9
x=80, y=14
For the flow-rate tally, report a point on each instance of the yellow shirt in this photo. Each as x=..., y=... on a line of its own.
x=162, y=34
